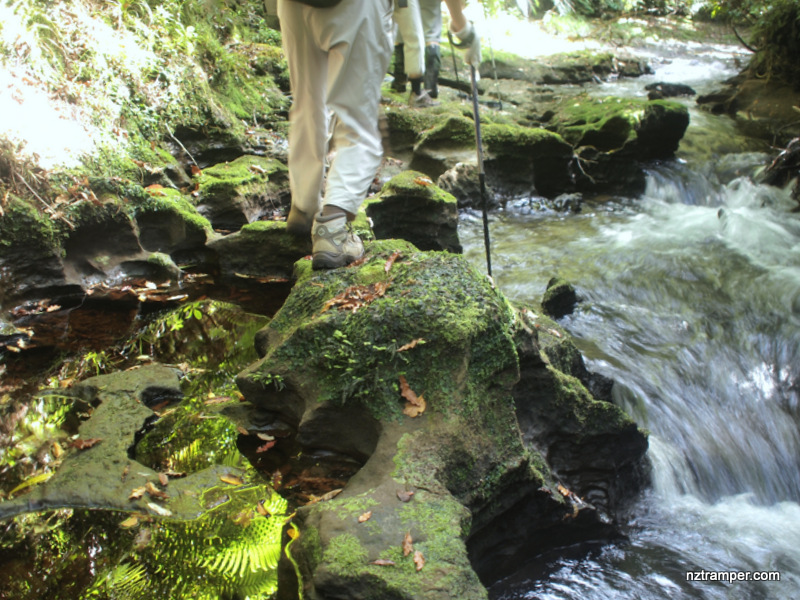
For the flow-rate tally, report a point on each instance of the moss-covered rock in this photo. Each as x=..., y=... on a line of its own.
x=31, y=253
x=249, y=188
x=260, y=249
x=650, y=128
x=564, y=68
x=559, y=298
x=346, y=361
x=411, y=207
x=168, y=222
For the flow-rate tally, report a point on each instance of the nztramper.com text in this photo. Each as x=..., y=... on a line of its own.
x=731, y=576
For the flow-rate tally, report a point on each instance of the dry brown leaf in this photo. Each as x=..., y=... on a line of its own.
x=415, y=409
x=382, y=562
x=137, y=493
x=419, y=560
x=84, y=444
x=390, y=262
x=266, y=446
x=408, y=544
x=404, y=496
x=262, y=509
x=407, y=393
x=411, y=344
x=130, y=522
x=163, y=479
x=328, y=496
x=159, y=510
x=154, y=492
x=423, y=181
x=244, y=518
x=232, y=479
x=364, y=517
x=356, y=296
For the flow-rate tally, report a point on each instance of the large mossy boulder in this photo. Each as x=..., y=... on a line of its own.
x=613, y=137
x=409, y=362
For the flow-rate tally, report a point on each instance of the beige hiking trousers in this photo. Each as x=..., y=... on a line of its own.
x=337, y=61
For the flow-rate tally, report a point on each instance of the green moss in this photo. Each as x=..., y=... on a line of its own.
x=405, y=123
x=430, y=296
x=167, y=200
x=416, y=184
x=514, y=140
x=22, y=223
x=311, y=546
x=577, y=411
x=345, y=555
x=246, y=173
x=451, y=131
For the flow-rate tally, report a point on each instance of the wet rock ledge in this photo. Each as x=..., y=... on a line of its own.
x=480, y=442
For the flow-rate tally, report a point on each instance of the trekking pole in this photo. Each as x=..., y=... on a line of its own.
x=455, y=67
x=481, y=174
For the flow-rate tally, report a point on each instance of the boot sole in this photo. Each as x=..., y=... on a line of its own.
x=331, y=260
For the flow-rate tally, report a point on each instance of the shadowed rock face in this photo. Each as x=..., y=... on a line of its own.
x=499, y=463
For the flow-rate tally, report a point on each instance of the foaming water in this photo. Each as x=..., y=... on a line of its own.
x=690, y=298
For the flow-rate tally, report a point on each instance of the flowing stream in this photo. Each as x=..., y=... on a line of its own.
x=690, y=301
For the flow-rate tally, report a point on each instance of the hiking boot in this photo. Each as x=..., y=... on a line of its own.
x=299, y=222
x=333, y=242
x=433, y=64
x=421, y=100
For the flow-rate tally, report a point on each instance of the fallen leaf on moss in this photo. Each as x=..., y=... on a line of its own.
x=390, y=262
x=137, y=493
x=408, y=544
x=419, y=560
x=382, y=562
x=423, y=181
x=404, y=496
x=324, y=497
x=365, y=517
x=356, y=296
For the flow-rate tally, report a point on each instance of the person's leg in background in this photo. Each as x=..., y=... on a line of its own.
x=431, y=14
x=409, y=23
